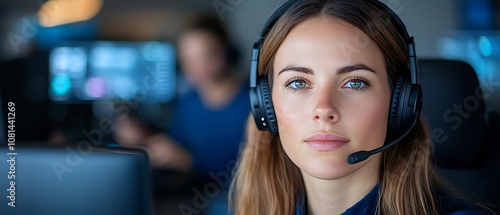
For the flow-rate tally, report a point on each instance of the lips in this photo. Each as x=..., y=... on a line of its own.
x=325, y=141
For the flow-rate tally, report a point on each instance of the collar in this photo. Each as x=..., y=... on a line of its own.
x=367, y=205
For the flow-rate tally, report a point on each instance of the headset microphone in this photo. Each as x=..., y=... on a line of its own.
x=359, y=156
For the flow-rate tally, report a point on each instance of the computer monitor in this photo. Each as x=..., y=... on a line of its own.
x=481, y=49
x=75, y=180
x=143, y=72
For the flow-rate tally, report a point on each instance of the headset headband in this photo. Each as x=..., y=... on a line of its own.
x=395, y=20
x=406, y=98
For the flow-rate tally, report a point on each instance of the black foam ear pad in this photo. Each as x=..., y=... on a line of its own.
x=405, y=106
x=262, y=106
x=393, y=122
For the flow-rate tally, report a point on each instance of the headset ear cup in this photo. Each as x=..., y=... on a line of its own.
x=394, y=109
x=262, y=106
x=406, y=103
x=267, y=103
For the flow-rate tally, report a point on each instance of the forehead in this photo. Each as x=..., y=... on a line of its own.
x=320, y=37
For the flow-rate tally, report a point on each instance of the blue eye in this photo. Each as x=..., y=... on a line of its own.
x=356, y=84
x=296, y=84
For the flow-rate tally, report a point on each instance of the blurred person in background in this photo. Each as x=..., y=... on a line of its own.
x=208, y=118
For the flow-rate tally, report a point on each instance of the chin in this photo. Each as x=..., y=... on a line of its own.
x=327, y=169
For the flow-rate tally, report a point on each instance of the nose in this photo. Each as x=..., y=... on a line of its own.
x=325, y=110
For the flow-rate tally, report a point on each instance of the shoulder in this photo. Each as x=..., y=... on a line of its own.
x=187, y=100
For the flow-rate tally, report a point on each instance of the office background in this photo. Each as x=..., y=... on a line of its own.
x=432, y=23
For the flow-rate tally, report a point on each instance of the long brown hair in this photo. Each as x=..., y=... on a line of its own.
x=268, y=182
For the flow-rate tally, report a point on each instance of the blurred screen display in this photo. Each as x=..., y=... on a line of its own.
x=480, y=49
x=104, y=70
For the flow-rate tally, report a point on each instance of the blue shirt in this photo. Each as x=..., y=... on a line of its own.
x=368, y=206
x=213, y=136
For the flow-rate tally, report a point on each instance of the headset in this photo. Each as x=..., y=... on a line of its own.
x=406, y=98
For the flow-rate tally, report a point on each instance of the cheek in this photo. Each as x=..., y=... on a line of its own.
x=290, y=113
x=367, y=121
x=291, y=117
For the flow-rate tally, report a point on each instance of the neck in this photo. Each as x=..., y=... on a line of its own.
x=217, y=93
x=337, y=195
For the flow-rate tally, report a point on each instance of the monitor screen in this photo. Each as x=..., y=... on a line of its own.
x=481, y=49
x=142, y=72
x=75, y=180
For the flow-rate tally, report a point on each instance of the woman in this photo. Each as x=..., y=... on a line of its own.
x=207, y=124
x=332, y=66
x=209, y=120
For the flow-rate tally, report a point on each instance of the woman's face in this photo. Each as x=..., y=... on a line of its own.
x=202, y=57
x=331, y=96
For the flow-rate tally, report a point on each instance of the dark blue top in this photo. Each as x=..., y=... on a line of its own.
x=212, y=136
x=368, y=206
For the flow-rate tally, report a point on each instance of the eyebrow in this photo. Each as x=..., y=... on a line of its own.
x=297, y=69
x=341, y=70
x=354, y=67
